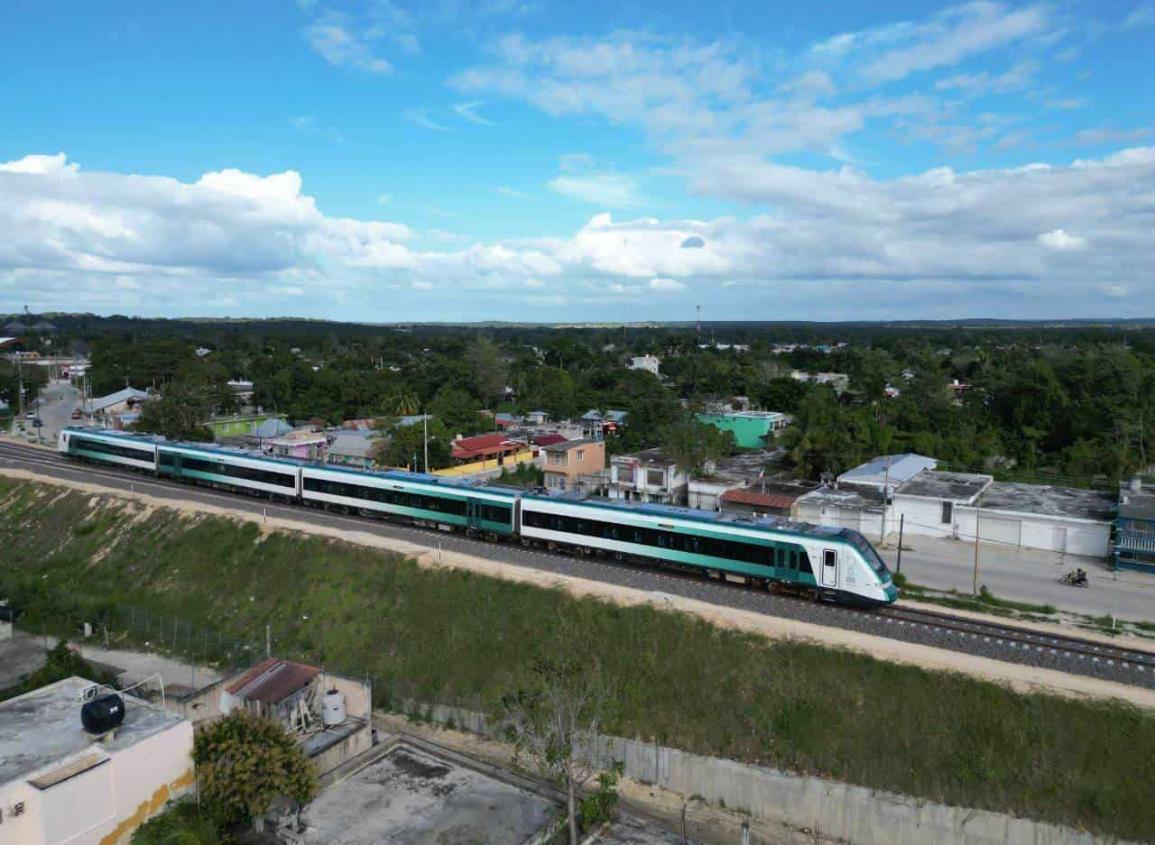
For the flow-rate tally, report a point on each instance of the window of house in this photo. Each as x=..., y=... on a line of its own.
x=947, y=513
x=581, y=454
x=655, y=477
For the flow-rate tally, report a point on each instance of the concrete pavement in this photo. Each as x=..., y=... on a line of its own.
x=1025, y=575
x=58, y=399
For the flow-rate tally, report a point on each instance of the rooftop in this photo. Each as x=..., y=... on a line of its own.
x=958, y=486
x=409, y=796
x=273, y=680
x=1139, y=505
x=896, y=468
x=544, y=440
x=356, y=443
x=565, y=445
x=646, y=456
x=483, y=444
x=1051, y=501
x=744, y=467
x=867, y=498
x=42, y=728
x=125, y=395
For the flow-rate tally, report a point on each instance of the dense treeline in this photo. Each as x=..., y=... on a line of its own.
x=1067, y=403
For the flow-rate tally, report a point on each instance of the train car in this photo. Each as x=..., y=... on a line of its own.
x=103, y=446
x=832, y=563
x=425, y=498
x=231, y=469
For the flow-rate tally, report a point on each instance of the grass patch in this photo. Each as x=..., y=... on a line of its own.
x=984, y=602
x=456, y=637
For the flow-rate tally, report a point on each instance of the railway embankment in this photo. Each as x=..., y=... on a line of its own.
x=712, y=684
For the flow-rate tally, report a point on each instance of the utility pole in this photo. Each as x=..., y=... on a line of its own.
x=885, y=500
x=698, y=309
x=978, y=533
x=901, y=521
x=425, y=425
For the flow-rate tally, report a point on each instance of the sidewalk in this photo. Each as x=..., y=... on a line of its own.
x=1024, y=575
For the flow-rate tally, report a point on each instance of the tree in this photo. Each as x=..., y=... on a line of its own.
x=692, y=444
x=457, y=410
x=244, y=761
x=554, y=715
x=489, y=370
x=184, y=408
x=404, y=446
x=401, y=402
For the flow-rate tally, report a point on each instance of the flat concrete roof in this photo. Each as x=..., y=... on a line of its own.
x=957, y=486
x=42, y=728
x=1049, y=501
x=634, y=832
x=868, y=498
x=1138, y=506
x=409, y=797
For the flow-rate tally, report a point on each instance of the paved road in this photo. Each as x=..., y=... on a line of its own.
x=58, y=399
x=1026, y=575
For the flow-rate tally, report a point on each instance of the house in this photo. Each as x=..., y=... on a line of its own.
x=860, y=509
x=505, y=420
x=763, y=498
x=302, y=443
x=116, y=403
x=596, y=424
x=484, y=447
x=647, y=476
x=242, y=389
x=60, y=784
x=839, y=381
x=1135, y=527
x=536, y=418
x=886, y=470
x=329, y=714
x=548, y=439
x=570, y=464
x=351, y=447
x=1065, y=520
x=930, y=501
x=704, y=492
x=751, y=429
x=649, y=363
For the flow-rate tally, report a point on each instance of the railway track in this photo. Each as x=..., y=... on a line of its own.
x=1001, y=641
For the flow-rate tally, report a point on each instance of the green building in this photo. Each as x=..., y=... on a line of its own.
x=751, y=429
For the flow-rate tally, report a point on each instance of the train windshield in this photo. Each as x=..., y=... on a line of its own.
x=873, y=559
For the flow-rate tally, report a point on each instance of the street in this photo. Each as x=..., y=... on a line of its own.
x=1025, y=575
x=54, y=407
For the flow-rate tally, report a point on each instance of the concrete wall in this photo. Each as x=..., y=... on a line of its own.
x=106, y=803
x=835, y=811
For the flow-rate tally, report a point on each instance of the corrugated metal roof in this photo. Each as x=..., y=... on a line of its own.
x=745, y=496
x=272, y=681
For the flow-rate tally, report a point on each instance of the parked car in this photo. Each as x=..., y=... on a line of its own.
x=77, y=414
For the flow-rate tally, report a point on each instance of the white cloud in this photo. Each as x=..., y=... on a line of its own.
x=384, y=199
x=512, y=193
x=468, y=112
x=337, y=42
x=976, y=84
x=1142, y=15
x=1062, y=241
x=610, y=190
x=1053, y=239
x=954, y=35
x=419, y=117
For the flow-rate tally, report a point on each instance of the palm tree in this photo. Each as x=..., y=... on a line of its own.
x=402, y=402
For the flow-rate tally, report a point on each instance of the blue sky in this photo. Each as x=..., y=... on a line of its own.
x=515, y=159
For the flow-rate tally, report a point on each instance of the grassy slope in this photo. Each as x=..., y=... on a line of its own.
x=456, y=637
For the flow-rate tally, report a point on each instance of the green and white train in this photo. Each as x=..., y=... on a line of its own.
x=835, y=564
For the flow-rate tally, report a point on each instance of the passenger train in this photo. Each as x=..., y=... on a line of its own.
x=835, y=564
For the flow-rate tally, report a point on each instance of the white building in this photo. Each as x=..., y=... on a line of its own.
x=886, y=470
x=1064, y=520
x=60, y=785
x=649, y=363
x=647, y=476
x=839, y=381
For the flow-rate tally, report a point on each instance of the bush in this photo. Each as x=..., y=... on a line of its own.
x=180, y=824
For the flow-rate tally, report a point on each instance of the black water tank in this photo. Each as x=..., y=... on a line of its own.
x=101, y=715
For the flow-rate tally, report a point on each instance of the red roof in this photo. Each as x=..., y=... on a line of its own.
x=549, y=439
x=272, y=681
x=767, y=501
x=483, y=445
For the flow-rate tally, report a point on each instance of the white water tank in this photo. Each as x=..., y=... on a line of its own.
x=333, y=708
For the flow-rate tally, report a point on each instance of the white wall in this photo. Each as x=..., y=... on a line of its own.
x=924, y=516
x=105, y=804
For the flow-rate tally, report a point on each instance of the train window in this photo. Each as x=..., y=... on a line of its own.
x=136, y=453
x=246, y=473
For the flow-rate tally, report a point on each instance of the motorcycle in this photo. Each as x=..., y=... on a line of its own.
x=1078, y=578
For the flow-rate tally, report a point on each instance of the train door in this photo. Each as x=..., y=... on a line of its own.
x=472, y=514
x=829, y=568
